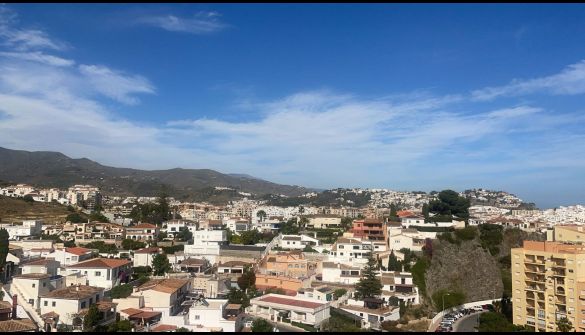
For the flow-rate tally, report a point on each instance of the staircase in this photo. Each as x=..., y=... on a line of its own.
x=30, y=310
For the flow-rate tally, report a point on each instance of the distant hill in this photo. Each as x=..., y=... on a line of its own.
x=54, y=169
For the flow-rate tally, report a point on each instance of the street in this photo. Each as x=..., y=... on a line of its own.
x=467, y=323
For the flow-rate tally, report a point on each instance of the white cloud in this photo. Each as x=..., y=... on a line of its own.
x=116, y=85
x=570, y=81
x=24, y=39
x=201, y=23
x=40, y=57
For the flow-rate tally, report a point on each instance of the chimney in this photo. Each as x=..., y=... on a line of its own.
x=14, y=304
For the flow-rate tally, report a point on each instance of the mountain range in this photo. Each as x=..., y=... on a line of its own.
x=54, y=169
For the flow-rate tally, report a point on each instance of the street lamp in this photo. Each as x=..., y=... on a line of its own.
x=443, y=311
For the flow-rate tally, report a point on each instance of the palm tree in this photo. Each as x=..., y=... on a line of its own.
x=261, y=215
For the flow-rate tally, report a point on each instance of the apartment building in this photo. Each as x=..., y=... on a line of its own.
x=288, y=264
x=142, y=232
x=548, y=283
x=369, y=229
x=323, y=221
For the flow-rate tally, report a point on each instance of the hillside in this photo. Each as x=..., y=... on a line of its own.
x=53, y=169
x=16, y=210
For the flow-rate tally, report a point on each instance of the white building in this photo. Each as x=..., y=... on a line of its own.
x=101, y=272
x=32, y=286
x=304, y=310
x=340, y=273
x=26, y=229
x=297, y=242
x=68, y=302
x=371, y=317
x=143, y=257
x=70, y=256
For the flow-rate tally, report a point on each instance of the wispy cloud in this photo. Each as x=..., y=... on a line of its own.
x=201, y=23
x=570, y=81
x=24, y=39
x=40, y=57
x=116, y=85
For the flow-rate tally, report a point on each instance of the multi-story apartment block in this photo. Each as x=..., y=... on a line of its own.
x=370, y=229
x=548, y=283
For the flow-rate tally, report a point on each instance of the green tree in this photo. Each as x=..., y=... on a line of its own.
x=340, y=292
x=564, y=325
x=394, y=301
x=97, y=216
x=236, y=296
x=290, y=227
x=448, y=205
x=261, y=215
x=250, y=237
x=393, y=263
x=451, y=298
x=75, y=218
x=261, y=326
x=161, y=264
x=129, y=244
x=28, y=198
x=102, y=247
x=121, y=291
x=184, y=235
x=247, y=279
x=402, y=308
x=369, y=285
x=69, y=244
x=182, y=330
x=3, y=247
x=92, y=318
x=120, y=326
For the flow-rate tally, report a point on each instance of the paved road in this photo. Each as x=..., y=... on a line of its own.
x=467, y=323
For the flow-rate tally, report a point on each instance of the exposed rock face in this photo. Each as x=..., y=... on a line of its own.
x=466, y=267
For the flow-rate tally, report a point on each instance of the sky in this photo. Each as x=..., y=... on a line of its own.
x=406, y=97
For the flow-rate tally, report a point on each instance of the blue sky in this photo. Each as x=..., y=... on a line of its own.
x=408, y=97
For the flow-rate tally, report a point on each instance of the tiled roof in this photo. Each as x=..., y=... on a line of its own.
x=109, y=263
x=5, y=305
x=169, y=285
x=77, y=251
x=33, y=276
x=193, y=261
x=290, y=302
x=17, y=325
x=131, y=311
x=145, y=315
x=42, y=261
x=152, y=250
x=50, y=315
x=164, y=328
x=142, y=226
x=74, y=292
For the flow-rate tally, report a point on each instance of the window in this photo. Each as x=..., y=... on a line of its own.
x=46, y=303
x=31, y=301
x=90, y=301
x=83, y=305
x=98, y=274
x=54, y=304
x=34, y=285
x=196, y=317
x=44, y=284
x=340, y=247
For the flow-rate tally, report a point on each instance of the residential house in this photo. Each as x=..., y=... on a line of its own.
x=297, y=242
x=399, y=284
x=28, y=228
x=289, y=285
x=144, y=256
x=164, y=295
x=369, y=229
x=41, y=265
x=69, y=256
x=70, y=303
x=211, y=286
x=288, y=264
x=371, y=317
x=323, y=221
x=99, y=231
x=102, y=272
x=31, y=286
x=341, y=273
x=276, y=307
x=142, y=232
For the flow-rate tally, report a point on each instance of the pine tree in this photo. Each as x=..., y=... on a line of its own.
x=393, y=263
x=369, y=285
x=92, y=318
x=160, y=264
x=3, y=247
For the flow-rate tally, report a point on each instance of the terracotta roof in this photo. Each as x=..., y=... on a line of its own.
x=109, y=263
x=233, y=306
x=290, y=302
x=145, y=315
x=17, y=325
x=74, y=292
x=131, y=311
x=33, y=276
x=404, y=213
x=5, y=305
x=152, y=250
x=193, y=261
x=42, y=261
x=163, y=328
x=77, y=251
x=142, y=225
x=50, y=315
x=169, y=285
